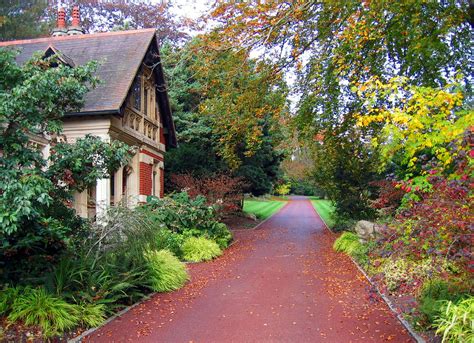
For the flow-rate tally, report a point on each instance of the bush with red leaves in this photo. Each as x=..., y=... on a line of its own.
x=441, y=225
x=221, y=189
x=389, y=196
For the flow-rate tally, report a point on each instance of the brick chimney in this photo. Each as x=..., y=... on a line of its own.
x=60, y=29
x=75, y=28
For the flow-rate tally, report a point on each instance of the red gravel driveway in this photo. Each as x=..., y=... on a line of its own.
x=281, y=282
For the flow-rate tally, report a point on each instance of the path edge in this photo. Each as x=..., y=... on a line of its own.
x=86, y=333
x=389, y=303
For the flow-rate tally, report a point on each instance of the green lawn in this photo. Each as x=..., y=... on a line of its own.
x=263, y=209
x=325, y=210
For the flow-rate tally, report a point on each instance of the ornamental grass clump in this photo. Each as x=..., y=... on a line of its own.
x=7, y=298
x=197, y=249
x=166, y=272
x=456, y=322
x=350, y=244
x=346, y=242
x=37, y=307
x=434, y=295
x=92, y=315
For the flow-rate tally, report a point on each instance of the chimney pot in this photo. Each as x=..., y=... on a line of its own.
x=60, y=29
x=75, y=28
x=76, y=16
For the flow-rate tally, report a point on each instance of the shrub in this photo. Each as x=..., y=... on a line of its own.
x=197, y=249
x=220, y=233
x=432, y=295
x=456, y=322
x=37, y=307
x=180, y=213
x=220, y=189
x=342, y=223
x=398, y=272
x=389, y=196
x=172, y=241
x=346, y=242
x=437, y=225
x=283, y=189
x=166, y=272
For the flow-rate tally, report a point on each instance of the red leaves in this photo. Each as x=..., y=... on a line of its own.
x=221, y=189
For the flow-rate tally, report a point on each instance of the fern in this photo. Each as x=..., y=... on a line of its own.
x=197, y=249
x=37, y=307
x=166, y=272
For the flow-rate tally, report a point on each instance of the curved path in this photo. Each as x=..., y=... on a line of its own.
x=279, y=283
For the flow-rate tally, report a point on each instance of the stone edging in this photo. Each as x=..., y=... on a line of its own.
x=389, y=303
x=392, y=307
x=118, y=314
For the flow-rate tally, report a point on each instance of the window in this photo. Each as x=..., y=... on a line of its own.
x=145, y=101
x=137, y=93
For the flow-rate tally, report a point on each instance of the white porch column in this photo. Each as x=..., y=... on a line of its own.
x=102, y=198
x=118, y=186
x=133, y=183
x=80, y=203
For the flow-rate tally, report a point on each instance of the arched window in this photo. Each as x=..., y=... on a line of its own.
x=137, y=93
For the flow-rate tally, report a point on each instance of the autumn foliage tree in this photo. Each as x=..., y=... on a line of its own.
x=22, y=20
x=208, y=89
x=334, y=47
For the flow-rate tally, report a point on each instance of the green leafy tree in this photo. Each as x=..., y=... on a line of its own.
x=23, y=19
x=34, y=97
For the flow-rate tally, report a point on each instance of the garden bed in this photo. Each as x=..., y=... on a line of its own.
x=14, y=332
x=420, y=293
x=137, y=252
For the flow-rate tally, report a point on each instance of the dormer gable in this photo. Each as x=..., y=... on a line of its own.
x=62, y=58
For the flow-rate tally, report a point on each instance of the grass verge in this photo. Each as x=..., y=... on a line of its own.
x=325, y=210
x=263, y=209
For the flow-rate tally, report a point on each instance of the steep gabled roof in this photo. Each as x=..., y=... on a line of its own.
x=120, y=55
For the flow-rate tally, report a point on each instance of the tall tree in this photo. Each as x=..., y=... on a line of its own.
x=104, y=16
x=334, y=47
x=21, y=20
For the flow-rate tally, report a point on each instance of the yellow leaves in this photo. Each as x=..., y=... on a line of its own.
x=414, y=118
x=412, y=161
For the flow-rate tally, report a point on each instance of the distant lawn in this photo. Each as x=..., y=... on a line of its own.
x=325, y=210
x=263, y=209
